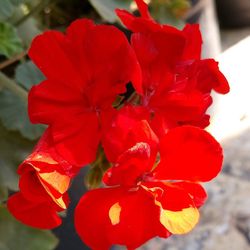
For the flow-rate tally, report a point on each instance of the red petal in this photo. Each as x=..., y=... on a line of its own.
x=137, y=24
x=193, y=42
x=47, y=107
x=195, y=191
x=45, y=159
x=210, y=77
x=32, y=188
x=157, y=54
x=50, y=52
x=39, y=215
x=189, y=153
x=120, y=216
x=178, y=213
x=77, y=139
x=143, y=8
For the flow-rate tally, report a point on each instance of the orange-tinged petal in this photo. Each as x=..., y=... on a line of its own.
x=55, y=185
x=41, y=157
x=56, y=180
x=179, y=222
x=178, y=213
x=45, y=176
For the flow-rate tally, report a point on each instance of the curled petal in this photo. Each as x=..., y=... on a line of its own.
x=127, y=128
x=143, y=8
x=189, y=153
x=210, y=77
x=41, y=215
x=45, y=176
x=130, y=166
x=137, y=24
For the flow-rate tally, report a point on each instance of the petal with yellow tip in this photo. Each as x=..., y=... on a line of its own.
x=179, y=222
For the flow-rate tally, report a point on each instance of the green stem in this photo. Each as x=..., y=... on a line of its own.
x=11, y=85
x=39, y=7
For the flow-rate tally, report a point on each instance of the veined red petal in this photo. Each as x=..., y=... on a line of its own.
x=122, y=217
x=40, y=215
x=157, y=53
x=189, y=153
x=49, y=102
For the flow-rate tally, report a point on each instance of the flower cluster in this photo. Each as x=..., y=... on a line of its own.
x=154, y=140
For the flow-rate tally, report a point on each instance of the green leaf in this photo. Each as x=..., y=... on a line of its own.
x=13, y=150
x=106, y=8
x=16, y=236
x=27, y=30
x=10, y=44
x=6, y=9
x=16, y=2
x=14, y=116
x=27, y=74
x=13, y=112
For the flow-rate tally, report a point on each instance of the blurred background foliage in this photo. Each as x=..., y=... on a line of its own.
x=20, y=21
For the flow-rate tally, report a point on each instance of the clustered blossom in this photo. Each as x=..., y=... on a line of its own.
x=155, y=142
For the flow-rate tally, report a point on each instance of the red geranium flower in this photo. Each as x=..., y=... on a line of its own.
x=176, y=83
x=143, y=199
x=44, y=180
x=85, y=71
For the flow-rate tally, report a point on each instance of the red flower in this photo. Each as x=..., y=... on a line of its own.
x=44, y=181
x=177, y=84
x=158, y=159
x=85, y=71
x=144, y=200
